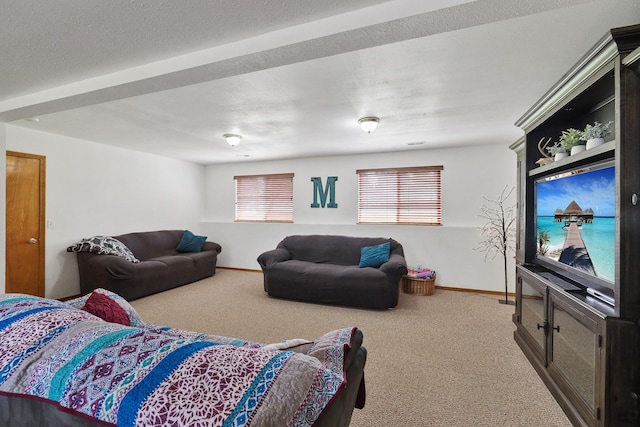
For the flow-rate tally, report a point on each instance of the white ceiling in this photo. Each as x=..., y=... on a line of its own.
x=291, y=76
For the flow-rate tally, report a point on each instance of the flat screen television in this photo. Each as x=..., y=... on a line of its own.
x=575, y=217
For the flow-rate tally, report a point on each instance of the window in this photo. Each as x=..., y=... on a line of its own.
x=264, y=198
x=400, y=196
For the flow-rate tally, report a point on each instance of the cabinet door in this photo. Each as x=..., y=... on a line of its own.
x=532, y=304
x=575, y=355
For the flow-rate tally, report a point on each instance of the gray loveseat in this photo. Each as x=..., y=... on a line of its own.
x=325, y=269
x=161, y=266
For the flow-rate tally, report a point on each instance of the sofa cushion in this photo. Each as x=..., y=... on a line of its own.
x=374, y=256
x=327, y=272
x=330, y=284
x=327, y=249
x=190, y=242
x=150, y=244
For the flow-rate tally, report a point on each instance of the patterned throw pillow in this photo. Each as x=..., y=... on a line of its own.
x=104, y=245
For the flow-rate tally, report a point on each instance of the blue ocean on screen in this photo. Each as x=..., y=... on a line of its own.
x=586, y=197
x=598, y=237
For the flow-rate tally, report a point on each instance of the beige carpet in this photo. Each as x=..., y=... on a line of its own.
x=448, y=359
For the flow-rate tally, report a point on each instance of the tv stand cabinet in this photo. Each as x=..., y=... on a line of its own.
x=586, y=351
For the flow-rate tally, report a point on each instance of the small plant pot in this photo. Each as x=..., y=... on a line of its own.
x=577, y=149
x=592, y=143
x=560, y=156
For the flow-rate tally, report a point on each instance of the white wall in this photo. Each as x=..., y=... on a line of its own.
x=94, y=189
x=469, y=173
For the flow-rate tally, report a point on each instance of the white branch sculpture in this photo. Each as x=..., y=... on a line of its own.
x=498, y=231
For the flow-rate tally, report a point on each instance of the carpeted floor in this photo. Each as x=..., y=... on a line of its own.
x=448, y=359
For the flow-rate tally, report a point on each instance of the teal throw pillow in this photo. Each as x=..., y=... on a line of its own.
x=374, y=256
x=190, y=242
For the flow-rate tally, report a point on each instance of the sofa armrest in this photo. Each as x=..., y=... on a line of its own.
x=396, y=267
x=269, y=258
x=211, y=246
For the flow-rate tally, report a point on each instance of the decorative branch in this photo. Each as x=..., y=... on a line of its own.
x=498, y=231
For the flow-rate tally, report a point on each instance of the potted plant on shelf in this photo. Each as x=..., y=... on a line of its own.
x=571, y=140
x=557, y=151
x=594, y=134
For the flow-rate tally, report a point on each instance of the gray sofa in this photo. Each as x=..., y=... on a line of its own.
x=161, y=266
x=325, y=269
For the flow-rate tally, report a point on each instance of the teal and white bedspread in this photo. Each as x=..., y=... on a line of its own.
x=144, y=375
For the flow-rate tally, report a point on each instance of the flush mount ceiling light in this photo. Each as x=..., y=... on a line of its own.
x=369, y=124
x=232, y=139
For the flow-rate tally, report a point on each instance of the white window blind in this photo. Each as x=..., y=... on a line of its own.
x=264, y=198
x=400, y=196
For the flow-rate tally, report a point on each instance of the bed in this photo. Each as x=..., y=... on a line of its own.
x=93, y=361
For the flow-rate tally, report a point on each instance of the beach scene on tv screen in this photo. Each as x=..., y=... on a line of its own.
x=575, y=222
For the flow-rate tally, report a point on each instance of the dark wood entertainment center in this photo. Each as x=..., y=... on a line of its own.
x=585, y=350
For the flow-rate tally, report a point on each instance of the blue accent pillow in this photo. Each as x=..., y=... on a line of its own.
x=374, y=256
x=190, y=242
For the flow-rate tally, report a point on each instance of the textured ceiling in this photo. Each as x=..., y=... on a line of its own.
x=76, y=39
x=292, y=77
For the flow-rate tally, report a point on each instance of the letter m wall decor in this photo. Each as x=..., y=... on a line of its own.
x=319, y=192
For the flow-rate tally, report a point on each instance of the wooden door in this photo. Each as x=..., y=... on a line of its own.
x=25, y=223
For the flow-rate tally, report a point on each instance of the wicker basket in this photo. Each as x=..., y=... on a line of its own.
x=411, y=285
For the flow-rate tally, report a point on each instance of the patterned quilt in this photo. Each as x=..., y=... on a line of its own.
x=143, y=375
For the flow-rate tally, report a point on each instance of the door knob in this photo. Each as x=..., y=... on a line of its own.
x=33, y=241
